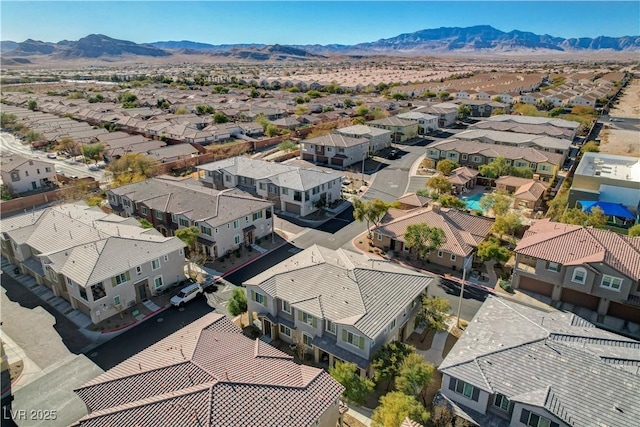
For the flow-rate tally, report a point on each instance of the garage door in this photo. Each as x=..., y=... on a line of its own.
x=623, y=311
x=580, y=299
x=533, y=285
x=306, y=156
x=292, y=207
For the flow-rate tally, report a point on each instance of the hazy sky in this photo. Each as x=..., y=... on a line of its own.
x=305, y=22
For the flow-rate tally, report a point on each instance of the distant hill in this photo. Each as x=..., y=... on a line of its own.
x=195, y=46
x=7, y=46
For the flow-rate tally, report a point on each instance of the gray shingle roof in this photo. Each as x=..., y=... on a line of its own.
x=520, y=139
x=493, y=150
x=336, y=140
x=360, y=291
x=209, y=374
x=549, y=359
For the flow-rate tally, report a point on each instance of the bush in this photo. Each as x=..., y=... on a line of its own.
x=506, y=286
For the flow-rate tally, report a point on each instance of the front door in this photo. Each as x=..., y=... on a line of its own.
x=267, y=327
x=392, y=245
x=142, y=291
x=34, y=185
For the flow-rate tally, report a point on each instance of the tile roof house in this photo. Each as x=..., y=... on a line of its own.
x=474, y=153
x=527, y=193
x=291, y=189
x=362, y=304
x=539, y=142
x=583, y=268
x=520, y=366
x=378, y=138
x=401, y=130
x=21, y=174
x=209, y=374
x=334, y=149
x=100, y=263
x=463, y=178
x=463, y=233
x=427, y=123
x=227, y=219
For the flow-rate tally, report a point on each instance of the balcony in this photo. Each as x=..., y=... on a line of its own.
x=526, y=268
x=633, y=300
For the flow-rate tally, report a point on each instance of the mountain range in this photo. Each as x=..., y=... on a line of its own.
x=476, y=39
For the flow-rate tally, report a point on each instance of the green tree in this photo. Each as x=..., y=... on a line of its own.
x=362, y=111
x=6, y=193
x=492, y=249
x=634, y=231
x=348, y=102
x=414, y=375
x=238, y=302
x=144, y=223
x=33, y=136
x=506, y=224
x=497, y=201
x=433, y=313
x=439, y=183
x=451, y=201
x=272, y=130
x=32, y=105
x=69, y=145
x=370, y=211
x=356, y=388
x=464, y=111
x=424, y=238
x=521, y=172
x=395, y=407
x=287, y=146
x=204, y=109
x=220, y=118
x=444, y=95
x=446, y=166
x=398, y=96
x=132, y=168
x=358, y=121
x=7, y=119
x=555, y=112
x=499, y=167
x=596, y=218
x=93, y=151
x=189, y=235
x=388, y=360
x=590, y=147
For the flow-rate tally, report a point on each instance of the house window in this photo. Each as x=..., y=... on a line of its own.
x=379, y=236
x=534, y=420
x=433, y=153
x=476, y=159
x=166, y=258
x=353, y=339
x=227, y=178
x=453, y=257
x=453, y=155
x=297, y=196
x=139, y=270
x=393, y=324
x=126, y=202
x=307, y=339
x=465, y=389
x=553, y=266
x=330, y=327
x=116, y=300
x=174, y=218
x=329, y=150
x=533, y=166
x=184, y=222
x=120, y=278
x=520, y=164
x=501, y=402
x=205, y=230
x=97, y=291
x=439, y=254
x=443, y=154
x=246, y=219
x=464, y=157
x=257, y=215
x=143, y=210
x=181, y=251
x=158, y=214
x=286, y=307
x=340, y=150
x=406, y=248
x=285, y=330
x=307, y=318
x=216, y=230
x=236, y=223
x=155, y=264
x=545, y=168
x=262, y=186
x=315, y=190
x=236, y=239
x=259, y=298
x=83, y=293
x=157, y=282
x=15, y=176
x=47, y=169
x=579, y=275
x=610, y=282
x=69, y=282
x=285, y=191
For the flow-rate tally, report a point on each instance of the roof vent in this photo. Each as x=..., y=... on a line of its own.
x=618, y=408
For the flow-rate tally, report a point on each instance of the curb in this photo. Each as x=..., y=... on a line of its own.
x=238, y=267
x=130, y=325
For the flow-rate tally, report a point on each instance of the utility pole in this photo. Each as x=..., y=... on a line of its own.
x=464, y=276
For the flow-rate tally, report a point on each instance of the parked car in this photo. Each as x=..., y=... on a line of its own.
x=186, y=294
x=51, y=156
x=393, y=154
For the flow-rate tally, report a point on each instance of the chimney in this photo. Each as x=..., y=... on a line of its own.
x=435, y=207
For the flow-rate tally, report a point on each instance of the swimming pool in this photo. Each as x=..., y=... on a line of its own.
x=473, y=202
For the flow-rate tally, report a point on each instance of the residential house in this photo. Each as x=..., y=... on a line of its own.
x=209, y=374
x=530, y=120
x=607, y=178
x=519, y=366
x=401, y=130
x=539, y=142
x=527, y=193
x=339, y=305
x=530, y=128
x=172, y=153
x=463, y=232
x=21, y=175
x=227, y=219
x=100, y=263
x=484, y=107
x=595, y=269
x=379, y=139
x=447, y=113
x=291, y=189
x=427, y=123
x=335, y=149
x=476, y=153
x=411, y=201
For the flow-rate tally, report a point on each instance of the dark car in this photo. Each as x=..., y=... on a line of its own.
x=393, y=154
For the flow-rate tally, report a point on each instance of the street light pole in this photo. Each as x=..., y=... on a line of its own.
x=464, y=276
x=364, y=156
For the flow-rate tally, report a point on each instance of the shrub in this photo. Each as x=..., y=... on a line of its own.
x=506, y=286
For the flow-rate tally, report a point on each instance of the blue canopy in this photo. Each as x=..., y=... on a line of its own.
x=609, y=209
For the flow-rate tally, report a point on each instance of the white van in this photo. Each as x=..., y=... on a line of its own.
x=186, y=294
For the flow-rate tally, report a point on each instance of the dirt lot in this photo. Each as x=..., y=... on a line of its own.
x=621, y=141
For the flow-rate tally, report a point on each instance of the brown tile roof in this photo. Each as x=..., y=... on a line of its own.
x=462, y=175
x=526, y=188
x=463, y=232
x=413, y=199
x=492, y=150
x=572, y=245
x=209, y=374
